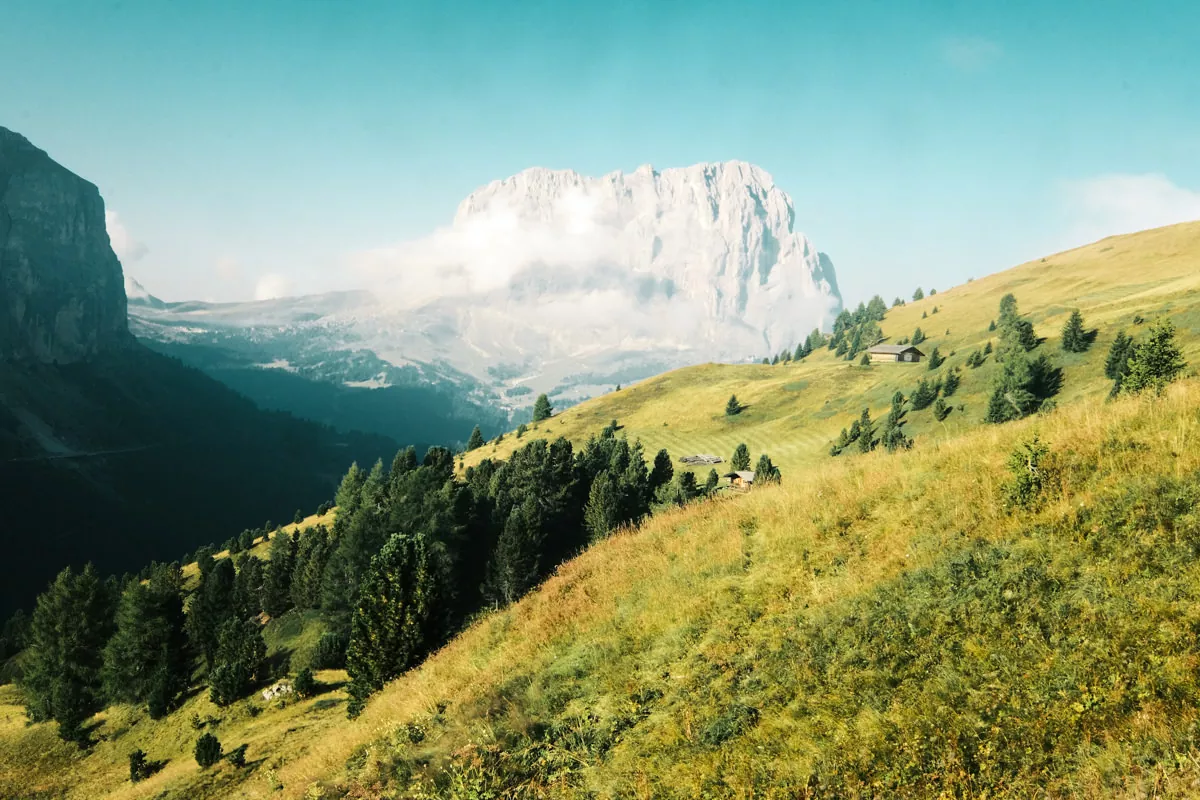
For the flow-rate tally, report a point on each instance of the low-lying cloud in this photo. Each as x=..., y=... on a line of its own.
x=127, y=248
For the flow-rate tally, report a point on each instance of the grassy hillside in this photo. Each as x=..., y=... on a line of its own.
x=882, y=626
x=796, y=410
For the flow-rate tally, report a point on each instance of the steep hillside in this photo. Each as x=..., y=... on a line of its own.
x=795, y=410
x=886, y=628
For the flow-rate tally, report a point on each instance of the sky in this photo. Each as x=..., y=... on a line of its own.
x=252, y=149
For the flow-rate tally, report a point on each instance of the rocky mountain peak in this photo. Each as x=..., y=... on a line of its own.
x=62, y=296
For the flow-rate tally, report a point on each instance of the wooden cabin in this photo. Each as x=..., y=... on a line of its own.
x=741, y=479
x=893, y=353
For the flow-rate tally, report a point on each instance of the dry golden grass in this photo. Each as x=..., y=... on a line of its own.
x=796, y=410
x=701, y=600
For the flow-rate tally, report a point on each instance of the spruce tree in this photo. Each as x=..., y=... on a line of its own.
x=208, y=750
x=476, y=440
x=399, y=617
x=602, y=513
x=248, y=588
x=348, y=492
x=1117, y=363
x=733, y=407
x=741, y=458
x=277, y=580
x=711, y=482
x=923, y=396
x=951, y=383
x=1156, y=362
x=312, y=555
x=542, y=409
x=515, y=565
x=147, y=659
x=935, y=359
x=661, y=473
x=1074, y=337
x=918, y=294
x=210, y=606
x=61, y=676
x=686, y=489
x=240, y=660
x=866, y=432
x=918, y=337
x=940, y=410
x=765, y=472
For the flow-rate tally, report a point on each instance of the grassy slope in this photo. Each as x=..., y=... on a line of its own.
x=643, y=655
x=796, y=410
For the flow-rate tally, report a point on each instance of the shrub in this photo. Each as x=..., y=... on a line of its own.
x=208, y=750
x=1026, y=465
x=139, y=767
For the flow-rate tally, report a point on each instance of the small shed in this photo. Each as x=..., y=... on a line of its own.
x=741, y=479
x=892, y=353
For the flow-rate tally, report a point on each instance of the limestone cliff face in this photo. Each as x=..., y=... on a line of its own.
x=62, y=295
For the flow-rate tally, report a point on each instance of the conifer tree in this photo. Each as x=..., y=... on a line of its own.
x=208, y=750
x=61, y=675
x=312, y=555
x=404, y=462
x=940, y=410
x=516, y=561
x=661, y=473
x=951, y=383
x=1117, y=363
x=476, y=440
x=521, y=430
x=147, y=658
x=741, y=458
x=248, y=587
x=935, y=359
x=1074, y=337
x=399, y=617
x=918, y=294
x=765, y=472
x=542, y=409
x=923, y=396
x=602, y=513
x=733, y=407
x=711, y=482
x=348, y=492
x=918, y=337
x=211, y=605
x=240, y=660
x=866, y=432
x=686, y=489
x=277, y=580
x=1155, y=362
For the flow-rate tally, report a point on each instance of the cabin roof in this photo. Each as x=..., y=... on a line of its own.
x=894, y=349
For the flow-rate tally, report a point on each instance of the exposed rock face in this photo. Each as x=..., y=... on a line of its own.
x=62, y=295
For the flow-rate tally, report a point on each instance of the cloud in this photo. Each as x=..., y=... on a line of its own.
x=127, y=248
x=493, y=247
x=227, y=268
x=270, y=286
x=1108, y=205
x=969, y=53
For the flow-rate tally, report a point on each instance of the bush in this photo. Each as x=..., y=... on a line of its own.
x=305, y=684
x=139, y=767
x=237, y=756
x=1026, y=465
x=208, y=750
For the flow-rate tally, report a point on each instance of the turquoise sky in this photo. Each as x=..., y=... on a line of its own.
x=922, y=143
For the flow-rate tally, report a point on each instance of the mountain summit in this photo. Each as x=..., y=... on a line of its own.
x=557, y=282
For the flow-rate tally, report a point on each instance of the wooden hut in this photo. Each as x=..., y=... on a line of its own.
x=893, y=353
x=742, y=479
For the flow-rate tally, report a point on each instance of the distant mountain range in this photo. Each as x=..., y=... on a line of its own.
x=547, y=281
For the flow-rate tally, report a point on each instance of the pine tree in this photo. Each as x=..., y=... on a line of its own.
x=741, y=458
x=987, y=348
x=866, y=432
x=733, y=407
x=923, y=396
x=240, y=660
x=277, y=580
x=918, y=294
x=661, y=473
x=312, y=555
x=775, y=360
x=918, y=337
x=765, y=472
x=476, y=440
x=1117, y=363
x=935, y=359
x=711, y=482
x=865, y=361
x=399, y=617
x=211, y=605
x=876, y=309
x=1074, y=337
x=248, y=588
x=542, y=408
x=147, y=658
x=1156, y=362
x=139, y=767
x=951, y=383
x=61, y=675
x=348, y=493
x=686, y=489
x=522, y=429
x=515, y=566
x=208, y=750
x=305, y=683
x=602, y=513
x=940, y=410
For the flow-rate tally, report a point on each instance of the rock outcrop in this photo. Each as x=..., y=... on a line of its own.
x=62, y=295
